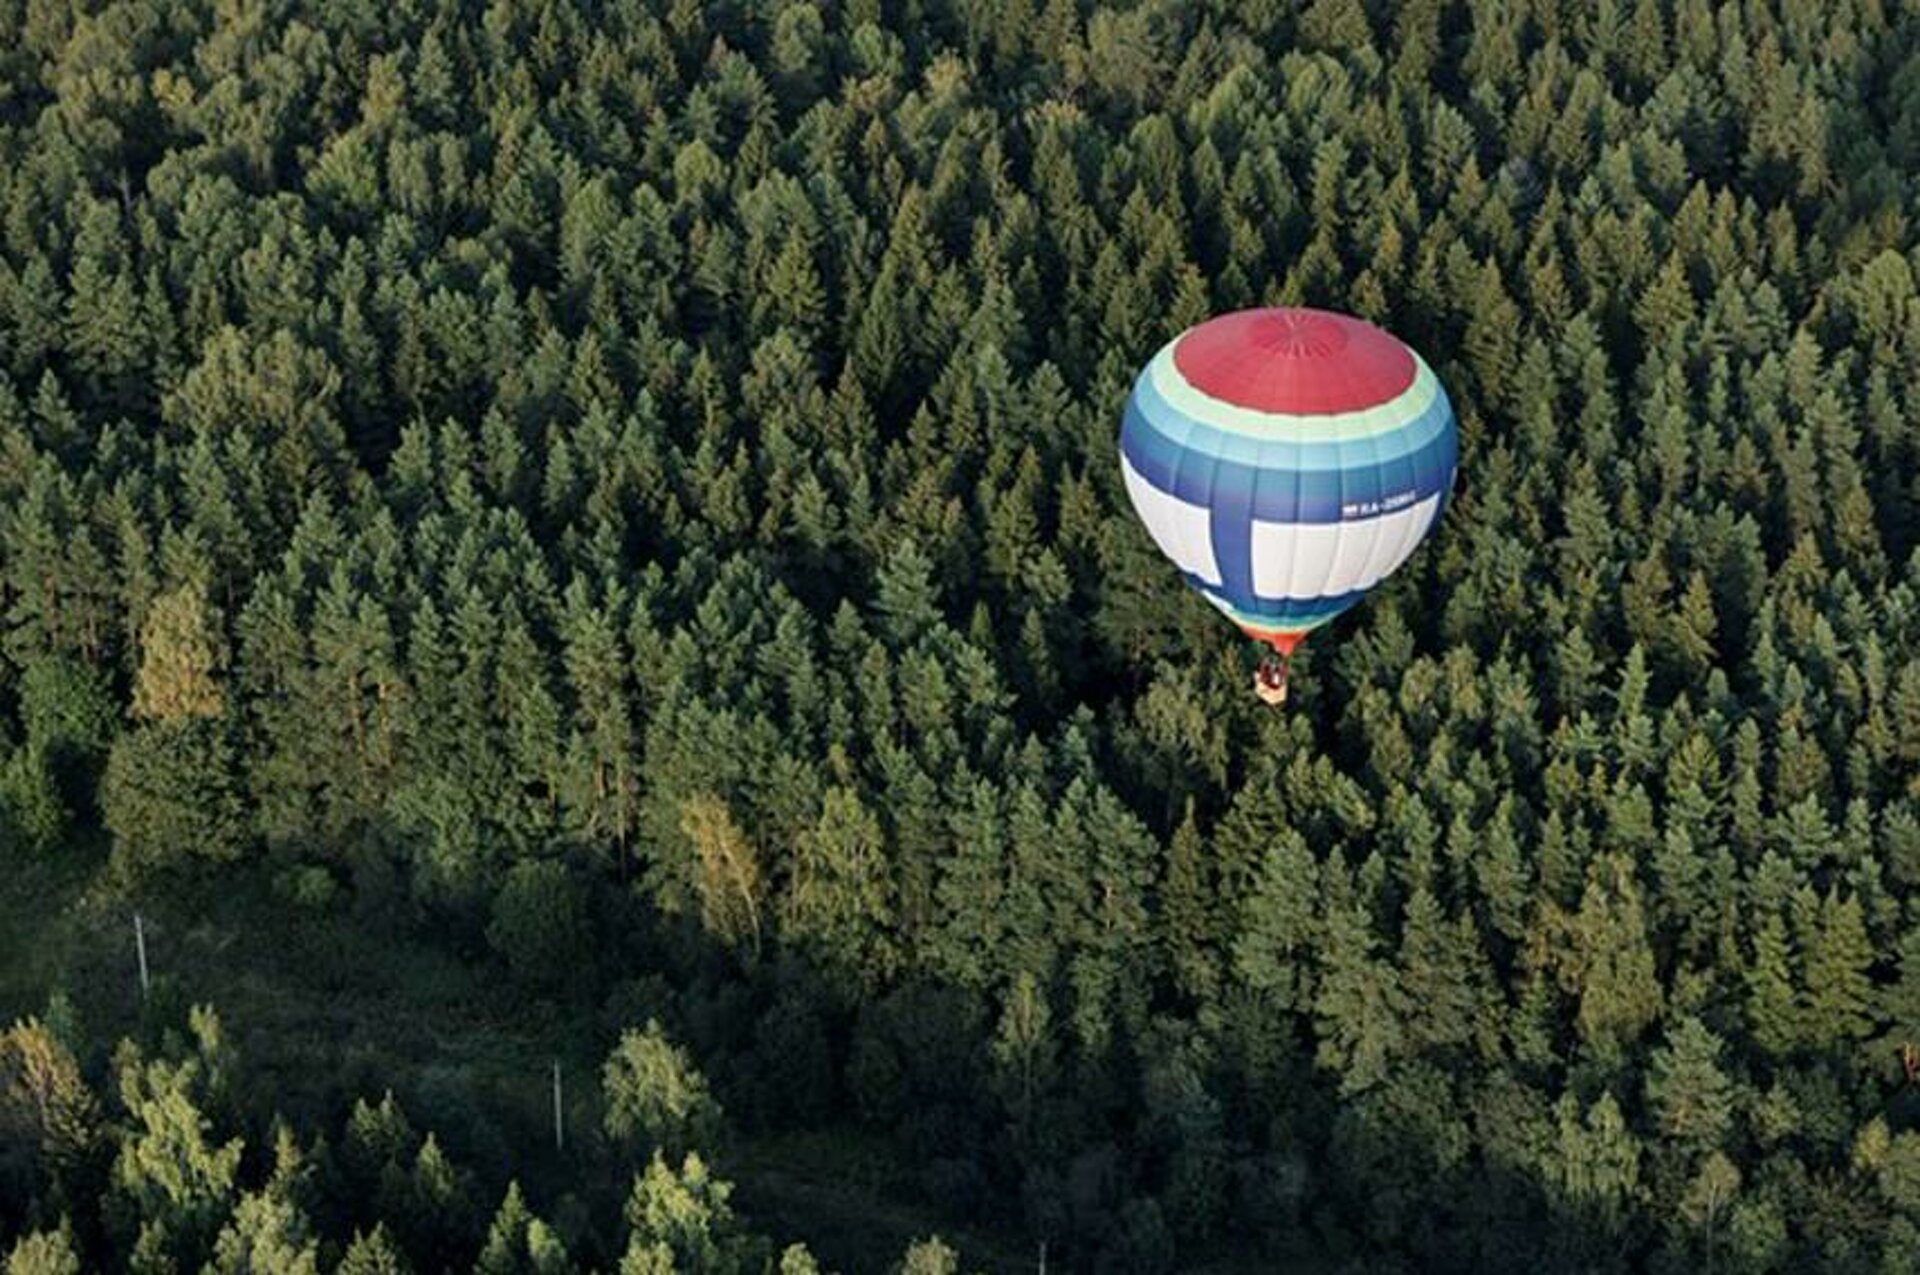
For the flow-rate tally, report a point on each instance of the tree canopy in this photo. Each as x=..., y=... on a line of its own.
x=591, y=533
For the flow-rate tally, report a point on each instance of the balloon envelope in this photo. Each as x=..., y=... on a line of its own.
x=1287, y=460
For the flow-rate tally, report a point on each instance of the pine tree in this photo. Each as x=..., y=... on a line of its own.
x=170, y=796
x=44, y=1253
x=372, y=1253
x=69, y=711
x=1687, y=1088
x=1502, y=874
x=599, y=792
x=1899, y=1003
x=727, y=876
x=1611, y=966
x=176, y=1177
x=968, y=896
x=105, y=336
x=1773, y=1014
x=1598, y=1161
x=794, y=294
x=434, y=1207
x=1838, y=998
x=796, y=1260
x=1281, y=926
x=518, y=1243
x=47, y=1113
x=1361, y=1007
x=838, y=902
x=269, y=1232
x=681, y=1219
x=907, y=596
x=179, y=657
x=1491, y=340
x=377, y=1140
x=1187, y=898
x=1440, y=968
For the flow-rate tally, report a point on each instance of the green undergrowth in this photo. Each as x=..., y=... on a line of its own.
x=324, y=1006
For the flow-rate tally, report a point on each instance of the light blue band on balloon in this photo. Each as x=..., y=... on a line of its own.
x=1195, y=434
x=1276, y=491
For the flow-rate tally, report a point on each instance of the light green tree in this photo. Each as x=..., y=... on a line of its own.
x=655, y=1097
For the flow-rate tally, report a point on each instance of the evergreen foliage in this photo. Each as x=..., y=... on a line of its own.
x=610, y=510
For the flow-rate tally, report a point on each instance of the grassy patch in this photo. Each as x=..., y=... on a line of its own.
x=829, y=1189
x=47, y=920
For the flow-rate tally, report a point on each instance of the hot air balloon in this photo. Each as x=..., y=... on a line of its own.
x=1287, y=460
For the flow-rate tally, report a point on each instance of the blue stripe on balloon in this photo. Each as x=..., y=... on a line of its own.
x=1230, y=524
x=1280, y=610
x=1278, y=491
x=1453, y=471
x=1172, y=423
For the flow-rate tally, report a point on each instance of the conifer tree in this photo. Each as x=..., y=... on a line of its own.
x=372, y=1253
x=179, y=656
x=49, y=1252
x=1361, y=1006
x=1687, y=1088
x=1772, y=1005
x=1189, y=903
x=838, y=902
x=518, y=1243
x=681, y=1219
x=1838, y=1000
x=1611, y=963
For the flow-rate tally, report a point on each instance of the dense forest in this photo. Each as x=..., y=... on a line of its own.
x=568, y=559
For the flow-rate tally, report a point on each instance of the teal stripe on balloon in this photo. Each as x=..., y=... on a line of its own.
x=1371, y=449
x=1277, y=490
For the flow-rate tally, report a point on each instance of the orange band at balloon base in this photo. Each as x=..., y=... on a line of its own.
x=1279, y=641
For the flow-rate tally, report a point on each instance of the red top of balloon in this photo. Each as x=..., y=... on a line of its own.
x=1298, y=361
